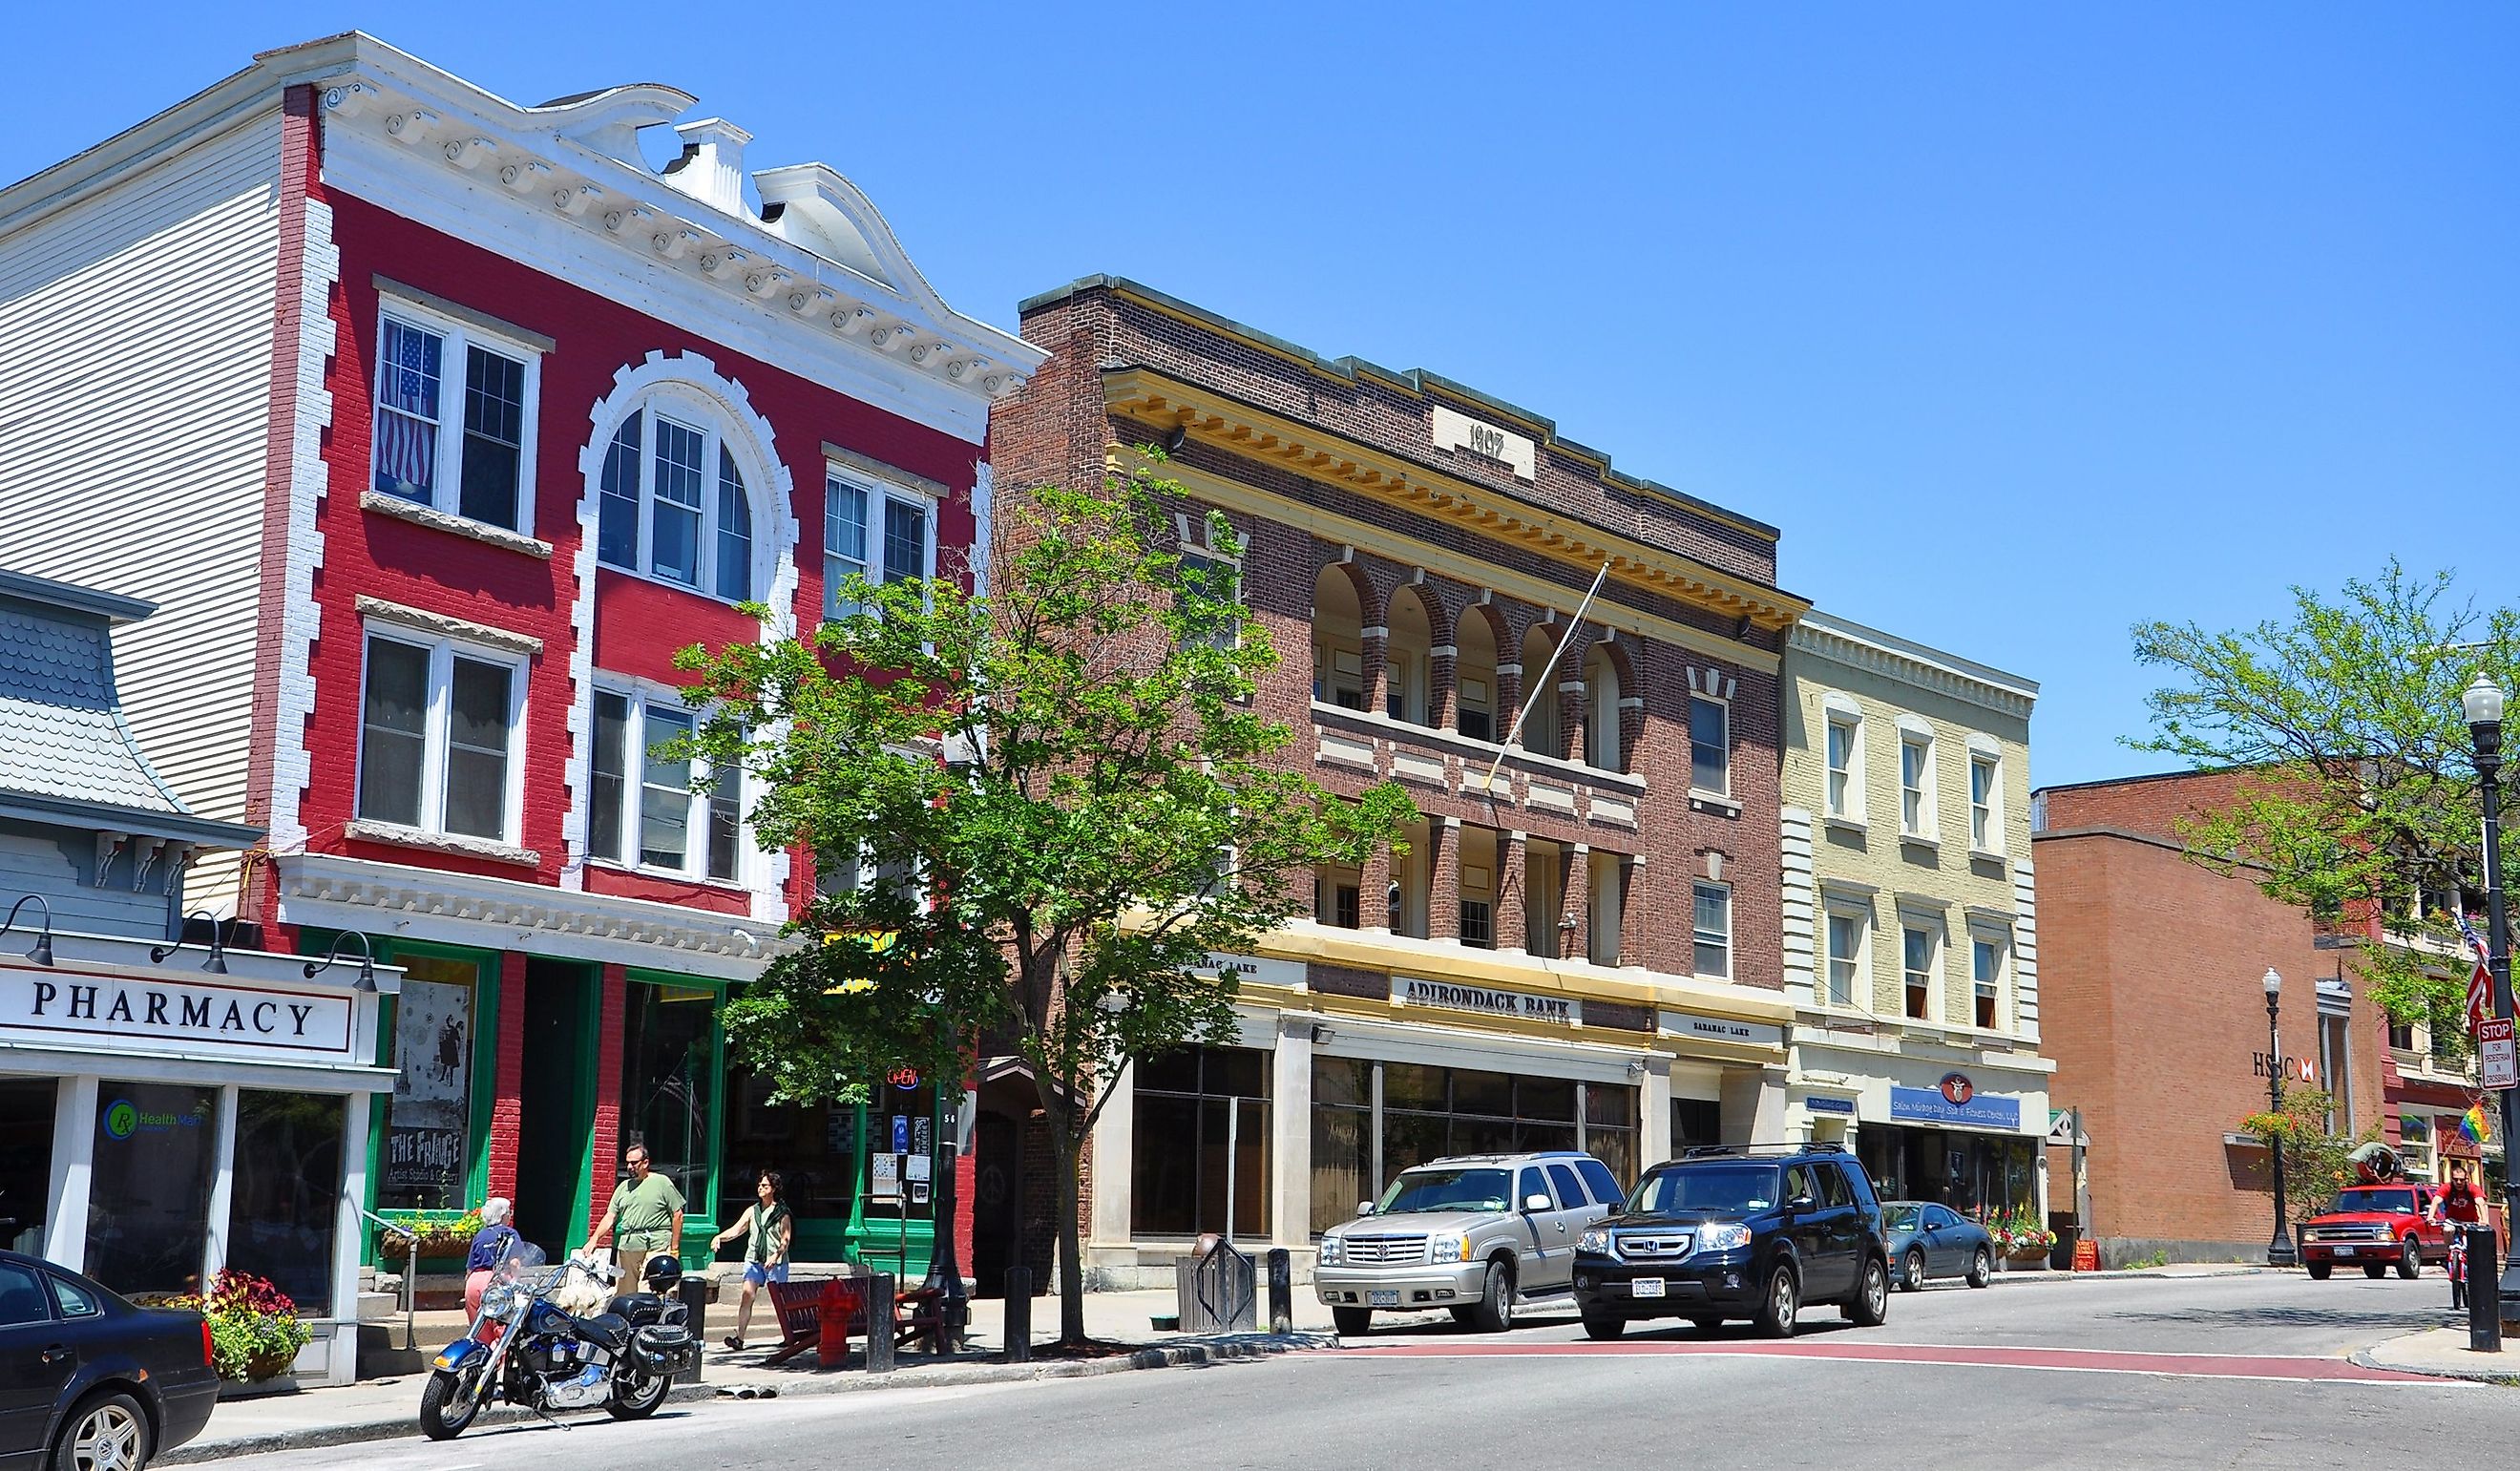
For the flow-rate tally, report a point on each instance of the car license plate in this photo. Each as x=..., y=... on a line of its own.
x=2345, y=1251
x=1391, y=1299
x=1646, y=1287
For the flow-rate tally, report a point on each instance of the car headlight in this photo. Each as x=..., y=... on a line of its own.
x=1596, y=1242
x=1332, y=1252
x=1730, y=1237
x=1448, y=1248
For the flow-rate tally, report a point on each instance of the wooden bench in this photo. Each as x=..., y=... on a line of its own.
x=824, y=1315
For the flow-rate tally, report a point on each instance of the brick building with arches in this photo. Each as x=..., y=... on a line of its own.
x=1580, y=944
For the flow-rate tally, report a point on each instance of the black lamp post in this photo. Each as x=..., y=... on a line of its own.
x=2279, y=1248
x=2483, y=704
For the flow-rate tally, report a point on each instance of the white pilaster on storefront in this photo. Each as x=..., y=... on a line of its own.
x=1290, y=1133
x=1653, y=1102
x=74, y=1126
x=1114, y=1157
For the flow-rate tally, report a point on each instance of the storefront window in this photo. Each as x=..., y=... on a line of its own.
x=1429, y=1113
x=1611, y=1129
x=429, y=1141
x=25, y=1163
x=285, y=1201
x=668, y=1081
x=1695, y=1122
x=814, y=1148
x=1981, y=1176
x=1342, y=1139
x=148, y=1191
x=1197, y=1108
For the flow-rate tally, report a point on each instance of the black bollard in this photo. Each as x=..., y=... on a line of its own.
x=879, y=1323
x=2484, y=1303
x=693, y=1290
x=1018, y=1330
x=1282, y=1291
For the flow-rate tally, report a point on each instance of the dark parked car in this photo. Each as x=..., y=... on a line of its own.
x=1929, y=1240
x=1749, y=1231
x=89, y=1382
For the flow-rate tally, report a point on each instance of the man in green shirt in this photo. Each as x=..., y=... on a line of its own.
x=645, y=1209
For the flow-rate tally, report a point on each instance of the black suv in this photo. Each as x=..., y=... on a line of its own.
x=1738, y=1232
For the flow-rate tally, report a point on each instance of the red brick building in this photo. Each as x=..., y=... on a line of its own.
x=435, y=423
x=1586, y=954
x=2154, y=1013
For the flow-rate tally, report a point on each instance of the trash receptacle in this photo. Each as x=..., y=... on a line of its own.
x=2060, y=1257
x=1217, y=1289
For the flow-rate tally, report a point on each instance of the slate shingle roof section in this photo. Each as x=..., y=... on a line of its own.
x=63, y=737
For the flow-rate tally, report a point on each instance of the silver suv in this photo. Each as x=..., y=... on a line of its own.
x=1474, y=1233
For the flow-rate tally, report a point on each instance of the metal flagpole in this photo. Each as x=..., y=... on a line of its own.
x=1523, y=714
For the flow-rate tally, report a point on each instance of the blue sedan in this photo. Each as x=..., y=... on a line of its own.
x=1929, y=1240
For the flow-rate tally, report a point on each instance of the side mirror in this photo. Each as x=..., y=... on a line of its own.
x=1365, y=1207
x=1534, y=1202
x=1799, y=1204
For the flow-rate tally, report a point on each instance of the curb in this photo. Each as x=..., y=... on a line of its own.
x=2124, y=1275
x=1185, y=1356
x=2362, y=1360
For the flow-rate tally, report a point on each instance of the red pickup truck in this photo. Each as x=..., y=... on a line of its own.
x=2375, y=1227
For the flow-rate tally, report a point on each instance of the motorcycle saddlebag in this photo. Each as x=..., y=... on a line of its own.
x=668, y=1348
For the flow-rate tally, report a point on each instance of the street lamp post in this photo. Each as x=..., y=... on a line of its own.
x=2279, y=1248
x=2483, y=704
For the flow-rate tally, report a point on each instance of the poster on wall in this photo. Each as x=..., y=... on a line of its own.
x=425, y=1131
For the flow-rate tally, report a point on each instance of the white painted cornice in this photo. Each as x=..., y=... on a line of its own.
x=393, y=901
x=1857, y=647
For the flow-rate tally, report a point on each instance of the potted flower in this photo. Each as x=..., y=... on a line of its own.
x=438, y=1238
x=2021, y=1237
x=254, y=1330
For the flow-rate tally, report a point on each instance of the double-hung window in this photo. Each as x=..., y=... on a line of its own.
x=643, y=809
x=1845, y=767
x=1917, y=962
x=439, y=730
x=1986, y=976
x=1916, y=785
x=1216, y=579
x=879, y=532
x=672, y=502
x=1845, y=956
x=1710, y=746
x=1713, y=930
x=1985, y=823
x=454, y=416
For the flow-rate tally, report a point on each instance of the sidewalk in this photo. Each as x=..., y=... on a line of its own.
x=390, y=1409
x=2444, y=1351
x=2174, y=1272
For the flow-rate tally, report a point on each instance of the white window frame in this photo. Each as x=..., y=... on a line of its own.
x=692, y=409
x=640, y=695
x=2001, y=945
x=878, y=492
x=436, y=730
x=1913, y=924
x=1725, y=707
x=1837, y=713
x=1696, y=887
x=455, y=336
x=1987, y=838
x=1927, y=828
x=1859, y=964
x=1200, y=552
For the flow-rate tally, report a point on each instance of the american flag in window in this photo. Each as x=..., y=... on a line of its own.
x=406, y=428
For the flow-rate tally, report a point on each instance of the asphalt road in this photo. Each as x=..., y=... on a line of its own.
x=2235, y=1371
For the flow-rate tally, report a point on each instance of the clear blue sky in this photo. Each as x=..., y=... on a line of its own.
x=2024, y=322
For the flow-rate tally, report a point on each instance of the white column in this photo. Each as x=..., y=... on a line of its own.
x=1114, y=1158
x=1291, y=1135
x=74, y=1157
x=1654, y=1113
x=343, y=1367
x=215, y=1254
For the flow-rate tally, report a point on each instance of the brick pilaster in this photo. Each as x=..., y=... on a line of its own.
x=1444, y=879
x=1510, y=897
x=508, y=1078
x=604, y=1138
x=1576, y=944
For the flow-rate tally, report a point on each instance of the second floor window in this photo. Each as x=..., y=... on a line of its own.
x=451, y=418
x=438, y=724
x=672, y=502
x=1986, y=976
x=642, y=811
x=1917, y=959
x=875, y=532
x=1713, y=930
x=1845, y=956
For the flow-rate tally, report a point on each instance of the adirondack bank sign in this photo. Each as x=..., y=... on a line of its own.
x=1451, y=995
x=174, y=1016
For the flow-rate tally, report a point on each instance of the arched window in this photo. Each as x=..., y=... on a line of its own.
x=1540, y=731
x=674, y=502
x=1602, y=746
x=1338, y=641
x=1406, y=683
x=1475, y=692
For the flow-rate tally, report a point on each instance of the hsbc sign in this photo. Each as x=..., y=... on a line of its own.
x=2295, y=1069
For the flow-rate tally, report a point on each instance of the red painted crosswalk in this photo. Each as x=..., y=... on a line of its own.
x=2290, y=1367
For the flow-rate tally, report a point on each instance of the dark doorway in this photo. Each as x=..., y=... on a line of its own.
x=997, y=1200
x=26, y=1162
x=564, y=1011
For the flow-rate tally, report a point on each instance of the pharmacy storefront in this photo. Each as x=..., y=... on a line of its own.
x=167, y=1112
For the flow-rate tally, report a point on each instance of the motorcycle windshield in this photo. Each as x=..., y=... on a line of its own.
x=520, y=1259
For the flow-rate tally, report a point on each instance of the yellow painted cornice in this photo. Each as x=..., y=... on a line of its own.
x=1320, y=455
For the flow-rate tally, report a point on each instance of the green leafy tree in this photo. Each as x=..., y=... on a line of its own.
x=1039, y=809
x=2317, y=1161
x=2359, y=795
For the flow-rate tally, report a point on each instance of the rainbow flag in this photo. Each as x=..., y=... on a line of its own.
x=2473, y=1124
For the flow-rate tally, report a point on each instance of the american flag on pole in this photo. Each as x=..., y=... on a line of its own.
x=406, y=429
x=2480, y=981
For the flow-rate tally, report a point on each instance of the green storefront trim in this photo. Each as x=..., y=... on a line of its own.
x=701, y=1205
x=484, y=1069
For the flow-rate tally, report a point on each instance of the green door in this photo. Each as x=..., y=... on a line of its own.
x=564, y=1021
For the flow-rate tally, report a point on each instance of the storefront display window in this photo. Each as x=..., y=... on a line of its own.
x=668, y=1081
x=149, y=1189
x=428, y=1152
x=26, y=1162
x=1429, y=1113
x=1981, y=1176
x=1197, y=1109
x=285, y=1201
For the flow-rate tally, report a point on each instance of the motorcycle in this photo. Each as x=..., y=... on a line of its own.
x=527, y=1350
